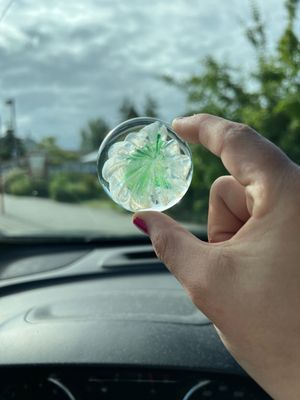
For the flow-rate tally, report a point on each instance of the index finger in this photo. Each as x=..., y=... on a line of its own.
x=248, y=156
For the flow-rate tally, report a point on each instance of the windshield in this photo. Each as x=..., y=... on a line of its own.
x=71, y=71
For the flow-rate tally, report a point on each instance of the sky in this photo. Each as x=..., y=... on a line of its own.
x=65, y=62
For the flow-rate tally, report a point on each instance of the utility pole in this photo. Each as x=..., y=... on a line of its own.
x=12, y=126
x=2, y=203
x=11, y=129
x=2, y=206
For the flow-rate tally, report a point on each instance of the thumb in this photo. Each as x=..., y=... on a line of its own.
x=182, y=253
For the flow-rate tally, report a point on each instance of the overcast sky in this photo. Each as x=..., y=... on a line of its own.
x=67, y=61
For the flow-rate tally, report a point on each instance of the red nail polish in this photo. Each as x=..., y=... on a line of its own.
x=140, y=223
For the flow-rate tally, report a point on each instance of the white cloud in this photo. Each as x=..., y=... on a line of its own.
x=12, y=38
x=65, y=62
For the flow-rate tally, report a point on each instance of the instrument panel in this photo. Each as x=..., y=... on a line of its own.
x=91, y=383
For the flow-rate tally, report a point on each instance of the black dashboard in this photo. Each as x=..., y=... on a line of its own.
x=106, y=322
x=88, y=382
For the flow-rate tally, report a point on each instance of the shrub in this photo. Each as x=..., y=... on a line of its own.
x=92, y=184
x=21, y=187
x=67, y=187
x=73, y=187
x=17, y=182
x=40, y=188
x=12, y=176
x=57, y=189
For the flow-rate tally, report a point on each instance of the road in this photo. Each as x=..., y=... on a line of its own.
x=31, y=216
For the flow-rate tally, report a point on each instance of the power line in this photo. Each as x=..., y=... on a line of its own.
x=6, y=9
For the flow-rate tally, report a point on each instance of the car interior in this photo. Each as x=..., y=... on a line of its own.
x=87, y=310
x=104, y=320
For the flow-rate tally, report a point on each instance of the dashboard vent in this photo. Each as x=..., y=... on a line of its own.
x=132, y=260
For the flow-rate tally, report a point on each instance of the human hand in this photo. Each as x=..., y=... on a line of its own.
x=247, y=278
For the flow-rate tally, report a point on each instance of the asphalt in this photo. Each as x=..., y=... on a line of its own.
x=30, y=215
x=36, y=216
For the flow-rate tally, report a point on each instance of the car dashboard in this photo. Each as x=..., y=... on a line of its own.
x=106, y=322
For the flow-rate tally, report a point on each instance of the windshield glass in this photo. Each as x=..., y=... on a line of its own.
x=71, y=71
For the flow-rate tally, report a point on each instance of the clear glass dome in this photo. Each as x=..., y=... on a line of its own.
x=143, y=165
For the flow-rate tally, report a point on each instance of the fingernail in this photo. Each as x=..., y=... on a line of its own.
x=140, y=224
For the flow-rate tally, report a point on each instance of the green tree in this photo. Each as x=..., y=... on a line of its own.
x=11, y=147
x=270, y=103
x=128, y=110
x=150, y=107
x=93, y=134
x=55, y=154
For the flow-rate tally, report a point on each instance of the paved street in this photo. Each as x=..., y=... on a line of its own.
x=25, y=215
x=30, y=215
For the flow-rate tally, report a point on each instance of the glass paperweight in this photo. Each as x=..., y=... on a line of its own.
x=143, y=165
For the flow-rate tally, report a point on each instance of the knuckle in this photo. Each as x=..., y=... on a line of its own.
x=235, y=132
x=220, y=185
x=204, y=116
x=243, y=128
x=159, y=242
x=240, y=128
x=164, y=244
x=167, y=244
x=217, y=184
